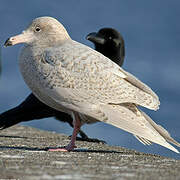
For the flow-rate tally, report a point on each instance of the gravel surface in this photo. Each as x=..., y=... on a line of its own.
x=24, y=155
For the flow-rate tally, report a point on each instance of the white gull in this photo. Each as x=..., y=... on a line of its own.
x=73, y=78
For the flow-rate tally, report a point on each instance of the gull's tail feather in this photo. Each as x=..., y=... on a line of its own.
x=163, y=132
x=129, y=118
x=143, y=140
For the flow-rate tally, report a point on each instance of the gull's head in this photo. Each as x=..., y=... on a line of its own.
x=42, y=31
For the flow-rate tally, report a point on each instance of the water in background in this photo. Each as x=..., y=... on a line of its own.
x=151, y=31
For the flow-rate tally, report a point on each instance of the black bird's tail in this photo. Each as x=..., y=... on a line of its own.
x=10, y=118
x=28, y=110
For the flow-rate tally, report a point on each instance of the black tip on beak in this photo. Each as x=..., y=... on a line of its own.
x=8, y=43
x=95, y=38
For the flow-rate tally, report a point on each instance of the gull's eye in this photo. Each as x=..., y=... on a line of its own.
x=38, y=29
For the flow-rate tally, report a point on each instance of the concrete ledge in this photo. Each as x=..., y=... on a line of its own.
x=23, y=156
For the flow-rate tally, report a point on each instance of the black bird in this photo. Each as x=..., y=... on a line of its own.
x=107, y=41
x=110, y=43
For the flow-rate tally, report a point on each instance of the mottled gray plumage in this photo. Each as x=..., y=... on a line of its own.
x=78, y=80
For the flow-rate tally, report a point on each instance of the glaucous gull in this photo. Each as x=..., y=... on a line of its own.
x=71, y=77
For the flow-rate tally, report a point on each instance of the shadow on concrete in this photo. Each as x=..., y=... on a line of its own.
x=24, y=148
x=87, y=150
x=94, y=140
x=96, y=151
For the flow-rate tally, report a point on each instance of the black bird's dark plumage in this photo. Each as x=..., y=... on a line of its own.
x=110, y=43
x=107, y=41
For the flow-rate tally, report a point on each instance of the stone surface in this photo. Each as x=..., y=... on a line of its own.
x=23, y=155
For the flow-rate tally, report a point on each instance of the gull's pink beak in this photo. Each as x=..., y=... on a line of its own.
x=21, y=38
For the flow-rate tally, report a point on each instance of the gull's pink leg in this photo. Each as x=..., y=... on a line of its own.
x=77, y=126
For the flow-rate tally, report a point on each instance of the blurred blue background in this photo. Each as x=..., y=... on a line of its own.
x=151, y=30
